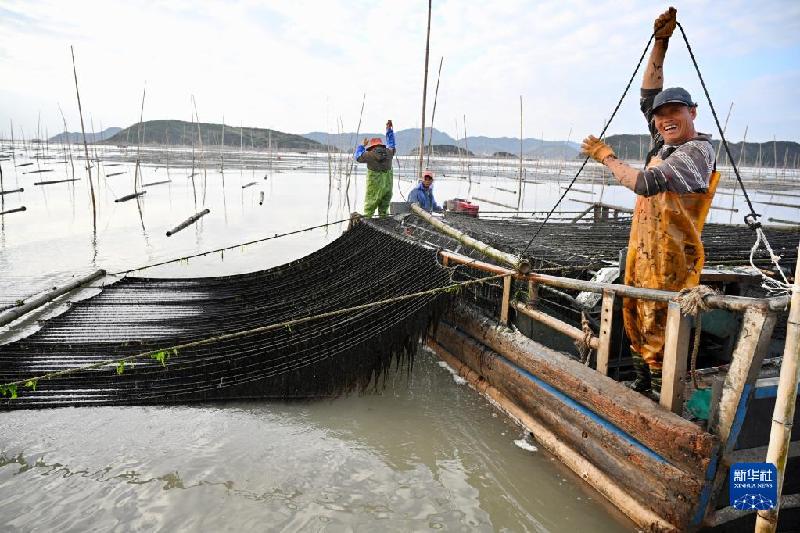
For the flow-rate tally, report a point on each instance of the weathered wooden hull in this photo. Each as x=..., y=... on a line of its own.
x=651, y=464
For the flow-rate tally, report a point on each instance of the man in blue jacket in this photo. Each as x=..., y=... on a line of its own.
x=422, y=194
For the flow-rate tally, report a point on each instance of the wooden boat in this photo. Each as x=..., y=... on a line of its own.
x=666, y=472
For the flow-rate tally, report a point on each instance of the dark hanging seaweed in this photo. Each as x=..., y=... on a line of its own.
x=320, y=358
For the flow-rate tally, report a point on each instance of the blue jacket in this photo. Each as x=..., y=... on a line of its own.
x=424, y=197
x=361, y=149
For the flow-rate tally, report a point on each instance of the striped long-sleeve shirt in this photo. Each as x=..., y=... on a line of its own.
x=685, y=168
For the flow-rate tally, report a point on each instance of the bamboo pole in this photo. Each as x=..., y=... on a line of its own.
x=519, y=264
x=783, y=415
x=51, y=182
x=730, y=303
x=553, y=323
x=433, y=113
x=724, y=129
x=15, y=210
x=188, y=222
x=130, y=196
x=519, y=182
x=85, y=146
x=783, y=221
x=424, y=93
x=137, y=177
x=16, y=312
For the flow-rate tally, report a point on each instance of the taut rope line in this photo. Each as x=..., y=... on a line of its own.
x=608, y=123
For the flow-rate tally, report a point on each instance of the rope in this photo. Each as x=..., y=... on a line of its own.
x=583, y=345
x=602, y=133
x=772, y=286
x=162, y=354
x=232, y=247
x=719, y=127
x=751, y=219
x=692, y=303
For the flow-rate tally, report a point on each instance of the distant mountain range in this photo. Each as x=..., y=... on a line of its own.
x=407, y=140
x=179, y=132
x=755, y=154
x=73, y=137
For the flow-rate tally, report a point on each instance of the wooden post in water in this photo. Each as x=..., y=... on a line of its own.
x=783, y=415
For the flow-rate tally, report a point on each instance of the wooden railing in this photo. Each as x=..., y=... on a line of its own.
x=756, y=311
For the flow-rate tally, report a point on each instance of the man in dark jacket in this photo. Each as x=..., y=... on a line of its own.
x=380, y=178
x=422, y=194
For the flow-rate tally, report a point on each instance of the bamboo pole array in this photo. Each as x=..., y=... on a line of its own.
x=781, y=432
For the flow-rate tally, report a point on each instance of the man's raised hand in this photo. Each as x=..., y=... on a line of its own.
x=665, y=24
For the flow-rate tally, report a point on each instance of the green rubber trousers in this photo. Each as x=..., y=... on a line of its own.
x=379, y=192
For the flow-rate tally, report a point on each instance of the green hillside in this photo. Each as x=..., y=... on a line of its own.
x=179, y=132
x=444, y=149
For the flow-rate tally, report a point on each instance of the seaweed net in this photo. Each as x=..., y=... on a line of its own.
x=322, y=357
x=568, y=249
x=576, y=251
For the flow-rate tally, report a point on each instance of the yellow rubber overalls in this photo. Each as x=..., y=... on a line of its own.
x=664, y=252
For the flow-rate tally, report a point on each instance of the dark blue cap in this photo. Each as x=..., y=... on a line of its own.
x=673, y=95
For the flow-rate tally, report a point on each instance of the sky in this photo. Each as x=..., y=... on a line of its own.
x=299, y=66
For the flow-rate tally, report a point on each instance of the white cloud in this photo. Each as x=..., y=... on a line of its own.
x=299, y=66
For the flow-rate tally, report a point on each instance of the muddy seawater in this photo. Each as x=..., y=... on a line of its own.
x=427, y=452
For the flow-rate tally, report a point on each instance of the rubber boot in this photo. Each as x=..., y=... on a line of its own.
x=642, y=381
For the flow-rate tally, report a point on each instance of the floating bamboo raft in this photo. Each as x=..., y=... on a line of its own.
x=322, y=357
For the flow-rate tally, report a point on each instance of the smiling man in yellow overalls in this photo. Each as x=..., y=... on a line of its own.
x=674, y=194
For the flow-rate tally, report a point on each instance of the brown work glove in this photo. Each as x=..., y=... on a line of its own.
x=389, y=124
x=665, y=24
x=596, y=149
